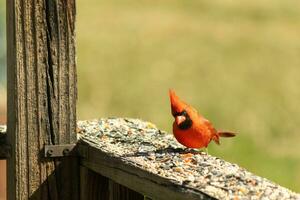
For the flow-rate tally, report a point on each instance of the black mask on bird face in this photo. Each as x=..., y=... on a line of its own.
x=183, y=120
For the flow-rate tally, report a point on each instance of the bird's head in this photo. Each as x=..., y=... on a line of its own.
x=179, y=111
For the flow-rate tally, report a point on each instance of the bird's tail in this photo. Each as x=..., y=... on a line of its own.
x=216, y=137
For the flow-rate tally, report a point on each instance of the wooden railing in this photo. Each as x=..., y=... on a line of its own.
x=111, y=158
x=124, y=158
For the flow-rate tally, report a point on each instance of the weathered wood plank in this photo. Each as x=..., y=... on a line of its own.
x=139, y=156
x=119, y=192
x=123, y=171
x=137, y=179
x=93, y=186
x=42, y=95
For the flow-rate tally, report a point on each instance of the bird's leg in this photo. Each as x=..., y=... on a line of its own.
x=206, y=150
x=202, y=150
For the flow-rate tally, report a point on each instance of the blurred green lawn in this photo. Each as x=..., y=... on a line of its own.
x=238, y=62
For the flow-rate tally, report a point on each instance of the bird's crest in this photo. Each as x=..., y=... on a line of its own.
x=177, y=106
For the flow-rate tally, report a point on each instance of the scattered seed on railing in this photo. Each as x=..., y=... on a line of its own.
x=151, y=149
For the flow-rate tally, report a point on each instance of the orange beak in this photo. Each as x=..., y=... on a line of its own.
x=179, y=119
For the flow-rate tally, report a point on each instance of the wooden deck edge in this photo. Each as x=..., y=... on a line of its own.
x=128, y=173
x=135, y=178
x=136, y=154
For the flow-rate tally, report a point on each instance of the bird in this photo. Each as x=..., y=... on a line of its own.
x=190, y=128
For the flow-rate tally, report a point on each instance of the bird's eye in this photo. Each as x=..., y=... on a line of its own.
x=184, y=113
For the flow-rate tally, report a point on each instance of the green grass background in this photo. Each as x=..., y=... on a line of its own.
x=237, y=62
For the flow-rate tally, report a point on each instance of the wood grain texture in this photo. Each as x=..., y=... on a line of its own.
x=41, y=74
x=120, y=192
x=138, y=155
x=93, y=186
x=153, y=186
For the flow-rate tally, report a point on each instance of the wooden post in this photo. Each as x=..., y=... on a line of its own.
x=41, y=74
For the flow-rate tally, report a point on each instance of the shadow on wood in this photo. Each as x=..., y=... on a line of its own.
x=56, y=186
x=95, y=186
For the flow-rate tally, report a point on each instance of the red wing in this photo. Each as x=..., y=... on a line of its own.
x=209, y=126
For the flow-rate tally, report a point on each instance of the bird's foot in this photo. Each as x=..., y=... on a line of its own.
x=206, y=150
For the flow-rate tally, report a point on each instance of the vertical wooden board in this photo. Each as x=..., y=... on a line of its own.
x=119, y=192
x=42, y=92
x=42, y=51
x=11, y=71
x=93, y=186
x=83, y=182
x=31, y=105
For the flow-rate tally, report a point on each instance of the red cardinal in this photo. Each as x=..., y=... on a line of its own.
x=190, y=128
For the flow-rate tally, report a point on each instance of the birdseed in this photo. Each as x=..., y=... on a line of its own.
x=143, y=145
